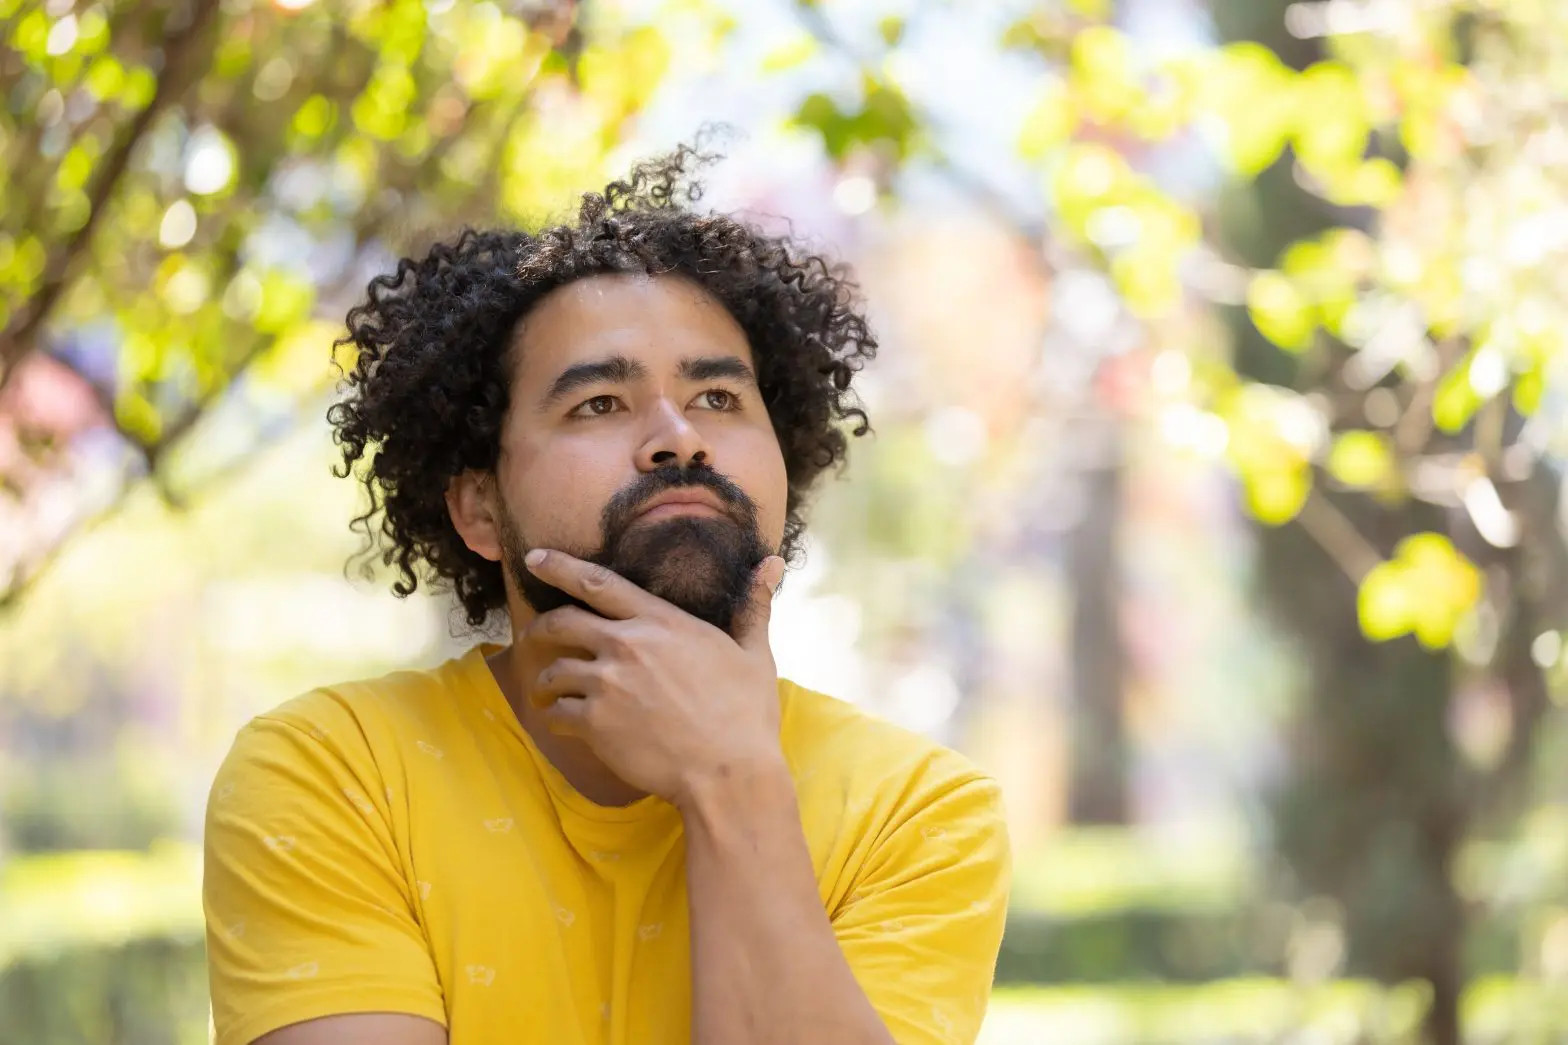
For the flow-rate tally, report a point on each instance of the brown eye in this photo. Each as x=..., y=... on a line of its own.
x=720, y=399
x=598, y=406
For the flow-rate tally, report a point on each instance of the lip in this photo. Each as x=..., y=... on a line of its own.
x=681, y=502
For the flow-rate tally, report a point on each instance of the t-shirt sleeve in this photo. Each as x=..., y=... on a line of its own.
x=308, y=911
x=923, y=925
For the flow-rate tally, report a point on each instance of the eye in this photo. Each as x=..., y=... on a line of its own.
x=598, y=406
x=720, y=399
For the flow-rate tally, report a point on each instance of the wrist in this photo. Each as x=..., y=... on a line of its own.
x=739, y=783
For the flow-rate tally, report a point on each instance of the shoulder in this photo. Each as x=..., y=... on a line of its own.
x=359, y=723
x=879, y=764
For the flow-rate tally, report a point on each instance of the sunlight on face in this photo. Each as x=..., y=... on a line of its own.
x=631, y=390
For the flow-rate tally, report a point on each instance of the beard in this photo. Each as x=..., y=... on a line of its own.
x=703, y=565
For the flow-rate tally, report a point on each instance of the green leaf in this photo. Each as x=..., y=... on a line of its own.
x=821, y=113
x=1279, y=311
x=885, y=118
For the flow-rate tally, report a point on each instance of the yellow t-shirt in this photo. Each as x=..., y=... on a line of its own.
x=400, y=845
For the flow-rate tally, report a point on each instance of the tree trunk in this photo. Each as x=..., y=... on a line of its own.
x=1374, y=807
x=1097, y=787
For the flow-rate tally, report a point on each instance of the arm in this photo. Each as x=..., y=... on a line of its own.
x=766, y=966
x=311, y=933
x=684, y=711
x=372, y=1028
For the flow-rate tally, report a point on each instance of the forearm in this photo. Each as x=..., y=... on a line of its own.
x=766, y=967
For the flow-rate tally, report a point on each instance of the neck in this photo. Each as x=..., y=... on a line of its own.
x=515, y=668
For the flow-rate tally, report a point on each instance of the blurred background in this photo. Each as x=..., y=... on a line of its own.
x=1214, y=503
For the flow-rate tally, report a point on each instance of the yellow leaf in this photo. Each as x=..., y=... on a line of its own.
x=1361, y=459
x=1332, y=126
x=1104, y=78
x=105, y=77
x=1147, y=278
x=790, y=55
x=1444, y=585
x=1096, y=9
x=300, y=359
x=1375, y=183
x=1050, y=122
x=136, y=415
x=1274, y=497
x=1456, y=400
x=1529, y=389
x=1279, y=311
x=285, y=300
x=1384, y=602
x=1252, y=92
x=314, y=117
x=1089, y=176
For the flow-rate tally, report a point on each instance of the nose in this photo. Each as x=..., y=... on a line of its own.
x=672, y=440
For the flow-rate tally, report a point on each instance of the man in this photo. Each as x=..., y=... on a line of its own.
x=621, y=828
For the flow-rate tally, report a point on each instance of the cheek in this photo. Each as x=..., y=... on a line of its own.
x=557, y=497
x=765, y=480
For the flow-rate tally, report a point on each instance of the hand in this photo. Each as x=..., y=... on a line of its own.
x=668, y=702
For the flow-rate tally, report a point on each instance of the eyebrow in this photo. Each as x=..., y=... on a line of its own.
x=620, y=369
x=614, y=370
x=706, y=368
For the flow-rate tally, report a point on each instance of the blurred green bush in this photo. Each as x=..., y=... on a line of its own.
x=105, y=948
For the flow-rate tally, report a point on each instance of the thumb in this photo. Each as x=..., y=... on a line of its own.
x=753, y=630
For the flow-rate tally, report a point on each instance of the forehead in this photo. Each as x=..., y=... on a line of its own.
x=655, y=319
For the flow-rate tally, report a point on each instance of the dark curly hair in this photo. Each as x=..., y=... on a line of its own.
x=429, y=386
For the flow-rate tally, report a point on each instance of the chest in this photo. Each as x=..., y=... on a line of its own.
x=547, y=930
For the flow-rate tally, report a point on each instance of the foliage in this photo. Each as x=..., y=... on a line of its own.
x=198, y=188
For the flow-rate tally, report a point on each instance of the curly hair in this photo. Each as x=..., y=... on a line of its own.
x=430, y=381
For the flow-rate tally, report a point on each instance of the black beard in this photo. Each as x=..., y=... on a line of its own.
x=700, y=564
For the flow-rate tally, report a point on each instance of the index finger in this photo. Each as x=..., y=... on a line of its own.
x=598, y=586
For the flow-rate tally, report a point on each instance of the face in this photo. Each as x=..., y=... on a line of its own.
x=637, y=439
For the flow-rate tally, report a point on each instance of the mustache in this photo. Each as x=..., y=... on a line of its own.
x=628, y=501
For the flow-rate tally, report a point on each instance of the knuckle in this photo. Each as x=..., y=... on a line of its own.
x=597, y=578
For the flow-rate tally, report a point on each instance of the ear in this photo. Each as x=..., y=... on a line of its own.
x=471, y=502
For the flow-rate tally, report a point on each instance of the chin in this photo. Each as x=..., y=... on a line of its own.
x=702, y=565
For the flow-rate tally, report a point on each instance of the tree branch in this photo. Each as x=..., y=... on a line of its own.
x=972, y=184
x=182, y=62
x=1338, y=536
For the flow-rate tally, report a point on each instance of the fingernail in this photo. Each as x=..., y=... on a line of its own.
x=535, y=557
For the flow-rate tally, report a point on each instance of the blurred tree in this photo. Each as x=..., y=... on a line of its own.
x=198, y=189
x=1384, y=261
x=1372, y=312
